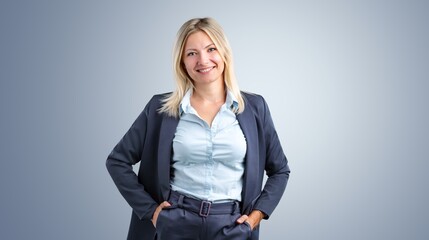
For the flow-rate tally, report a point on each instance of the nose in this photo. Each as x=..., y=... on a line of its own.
x=203, y=58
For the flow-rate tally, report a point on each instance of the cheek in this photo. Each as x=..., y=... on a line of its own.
x=218, y=60
x=189, y=70
x=186, y=66
x=221, y=63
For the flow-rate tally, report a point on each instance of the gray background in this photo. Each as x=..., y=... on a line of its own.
x=346, y=81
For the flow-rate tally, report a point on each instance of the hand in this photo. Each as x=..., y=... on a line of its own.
x=253, y=219
x=158, y=210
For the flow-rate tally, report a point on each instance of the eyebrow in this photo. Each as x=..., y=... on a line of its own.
x=192, y=49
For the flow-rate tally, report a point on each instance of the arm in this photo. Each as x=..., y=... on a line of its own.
x=272, y=160
x=276, y=167
x=119, y=164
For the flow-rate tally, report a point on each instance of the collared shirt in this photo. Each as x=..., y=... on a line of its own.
x=208, y=162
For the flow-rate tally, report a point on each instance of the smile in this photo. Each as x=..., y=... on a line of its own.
x=205, y=70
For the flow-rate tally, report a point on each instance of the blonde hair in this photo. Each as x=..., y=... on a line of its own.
x=209, y=26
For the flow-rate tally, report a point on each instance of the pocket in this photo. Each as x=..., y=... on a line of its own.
x=164, y=214
x=237, y=232
x=248, y=225
x=160, y=215
x=166, y=224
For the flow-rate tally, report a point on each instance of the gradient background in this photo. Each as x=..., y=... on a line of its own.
x=346, y=81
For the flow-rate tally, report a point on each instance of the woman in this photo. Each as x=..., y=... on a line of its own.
x=203, y=150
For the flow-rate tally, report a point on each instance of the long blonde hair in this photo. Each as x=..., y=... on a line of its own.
x=171, y=103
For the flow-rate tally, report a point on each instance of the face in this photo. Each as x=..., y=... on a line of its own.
x=202, y=60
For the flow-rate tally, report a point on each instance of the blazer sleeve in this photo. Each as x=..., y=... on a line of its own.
x=276, y=166
x=119, y=165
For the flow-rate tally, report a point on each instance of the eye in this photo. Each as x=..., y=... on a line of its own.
x=190, y=54
x=212, y=49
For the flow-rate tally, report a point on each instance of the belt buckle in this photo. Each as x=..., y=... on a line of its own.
x=205, y=208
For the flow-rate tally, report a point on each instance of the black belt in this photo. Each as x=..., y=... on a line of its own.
x=202, y=207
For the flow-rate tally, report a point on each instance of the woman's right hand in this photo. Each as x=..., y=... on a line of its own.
x=158, y=210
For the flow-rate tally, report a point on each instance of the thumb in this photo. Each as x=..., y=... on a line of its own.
x=165, y=204
x=241, y=219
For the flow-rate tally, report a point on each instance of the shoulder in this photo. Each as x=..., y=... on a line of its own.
x=151, y=110
x=157, y=100
x=254, y=101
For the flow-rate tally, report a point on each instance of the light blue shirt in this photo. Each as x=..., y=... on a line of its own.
x=208, y=162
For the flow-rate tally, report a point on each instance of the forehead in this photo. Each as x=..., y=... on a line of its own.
x=197, y=40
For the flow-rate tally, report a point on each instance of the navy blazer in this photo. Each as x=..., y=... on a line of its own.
x=149, y=141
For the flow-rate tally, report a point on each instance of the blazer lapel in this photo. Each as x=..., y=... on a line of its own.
x=247, y=123
x=166, y=135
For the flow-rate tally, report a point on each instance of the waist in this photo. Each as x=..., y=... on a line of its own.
x=221, y=184
x=203, y=208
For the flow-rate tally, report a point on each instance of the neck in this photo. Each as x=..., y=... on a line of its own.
x=212, y=94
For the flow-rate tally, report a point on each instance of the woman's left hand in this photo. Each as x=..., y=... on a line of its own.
x=253, y=219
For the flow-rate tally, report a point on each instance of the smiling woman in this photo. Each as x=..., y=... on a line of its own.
x=204, y=66
x=202, y=61
x=183, y=79
x=203, y=150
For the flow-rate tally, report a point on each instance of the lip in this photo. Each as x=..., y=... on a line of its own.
x=205, y=70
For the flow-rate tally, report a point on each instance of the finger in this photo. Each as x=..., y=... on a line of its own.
x=241, y=219
x=165, y=204
x=158, y=210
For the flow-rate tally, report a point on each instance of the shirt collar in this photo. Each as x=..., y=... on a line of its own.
x=185, y=104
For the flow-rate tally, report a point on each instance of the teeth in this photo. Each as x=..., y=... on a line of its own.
x=205, y=70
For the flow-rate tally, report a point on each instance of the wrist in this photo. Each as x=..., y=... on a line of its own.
x=255, y=218
x=258, y=214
